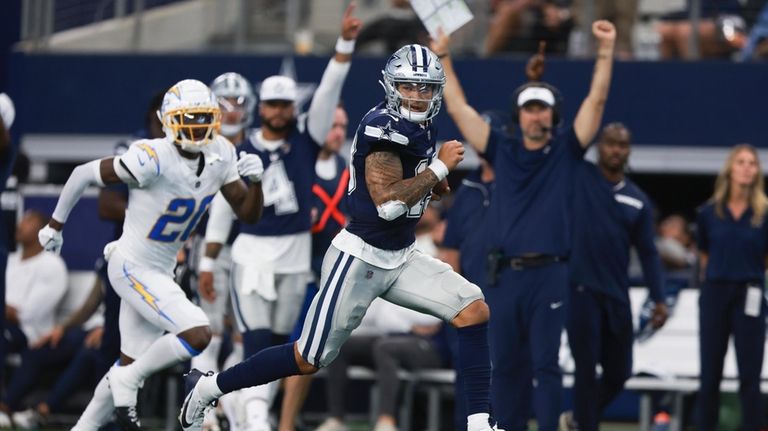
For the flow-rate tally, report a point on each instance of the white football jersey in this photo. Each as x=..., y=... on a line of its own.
x=167, y=196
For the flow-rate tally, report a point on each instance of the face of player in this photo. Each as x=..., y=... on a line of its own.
x=416, y=96
x=536, y=121
x=744, y=169
x=335, y=138
x=232, y=110
x=613, y=149
x=277, y=115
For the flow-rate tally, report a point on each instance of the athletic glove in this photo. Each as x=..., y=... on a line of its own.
x=51, y=239
x=250, y=166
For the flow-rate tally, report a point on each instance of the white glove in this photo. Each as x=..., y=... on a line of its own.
x=7, y=111
x=250, y=166
x=51, y=239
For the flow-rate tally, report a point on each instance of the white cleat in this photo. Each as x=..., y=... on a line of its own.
x=194, y=408
x=332, y=424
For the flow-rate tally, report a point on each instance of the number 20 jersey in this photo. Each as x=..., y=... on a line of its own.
x=167, y=198
x=415, y=144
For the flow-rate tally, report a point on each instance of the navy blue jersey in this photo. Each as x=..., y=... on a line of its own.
x=331, y=208
x=415, y=144
x=530, y=210
x=289, y=173
x=736, y=249
x=466, y=212
x=608, y=220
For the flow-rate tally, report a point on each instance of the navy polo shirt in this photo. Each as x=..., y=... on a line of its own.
x=608, y=220
x=736, y=249
x=530, y=212
x=466, y=212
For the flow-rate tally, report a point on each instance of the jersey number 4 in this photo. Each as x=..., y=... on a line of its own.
x=417, y=210
x=180, y=218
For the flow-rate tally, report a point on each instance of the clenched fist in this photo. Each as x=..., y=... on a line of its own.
x=604, y=32
x=451, y=153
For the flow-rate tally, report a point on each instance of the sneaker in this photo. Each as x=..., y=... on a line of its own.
x=124, y=390
x=255, y=412
x=5, y=420
x=384, y=427
x=332, y=424
x=128, y=418
x=27, y=419
x=193, y=409
x=567, y=422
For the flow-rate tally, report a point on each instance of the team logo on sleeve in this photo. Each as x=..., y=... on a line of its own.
x=148, y=154
x=386, y=133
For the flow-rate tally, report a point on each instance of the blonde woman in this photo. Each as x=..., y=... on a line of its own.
x=733, y=245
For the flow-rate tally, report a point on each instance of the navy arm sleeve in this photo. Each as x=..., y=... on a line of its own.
x=649, y=255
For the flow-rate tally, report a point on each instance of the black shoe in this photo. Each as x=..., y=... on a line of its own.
x=128, y=418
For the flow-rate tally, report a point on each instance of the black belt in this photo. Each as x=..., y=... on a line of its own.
x=520, y=263
x=497, y=262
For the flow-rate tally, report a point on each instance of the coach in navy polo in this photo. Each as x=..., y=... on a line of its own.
x=528, y=230
x=610, y=215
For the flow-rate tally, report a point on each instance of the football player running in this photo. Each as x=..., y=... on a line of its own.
x=393, y=171
x=271, y=259
x=172, y=181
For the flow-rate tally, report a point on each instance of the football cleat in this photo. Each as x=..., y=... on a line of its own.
x=127, y=418
x=193, y=409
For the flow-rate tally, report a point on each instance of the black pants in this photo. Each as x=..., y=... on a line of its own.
x=599, y=332
x=721, y=313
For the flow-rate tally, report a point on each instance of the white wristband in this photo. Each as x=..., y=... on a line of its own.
x=344, y=46
x=439, y=168
x=206, y=264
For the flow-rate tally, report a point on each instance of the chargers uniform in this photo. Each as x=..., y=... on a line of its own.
x=168, y=196
x=373, y=257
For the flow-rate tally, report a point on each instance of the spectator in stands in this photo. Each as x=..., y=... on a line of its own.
x=756, y=47
x=721, y=30
x=400, y=26
x=621, y=13
x=519, y=25
x=733, y=247
x=37, y=282
x=610, y=216
x=389, y=338
x=677, y=251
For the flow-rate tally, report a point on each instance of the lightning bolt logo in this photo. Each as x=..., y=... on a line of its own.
x=151, y=155
x=142, y=290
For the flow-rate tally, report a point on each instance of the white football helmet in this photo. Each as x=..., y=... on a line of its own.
x=190, y=115
x=417, y=65
x=234, y=93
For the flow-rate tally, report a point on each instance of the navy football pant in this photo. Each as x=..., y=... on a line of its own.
x=721, y=313
x=527, y=316
x=599, y=332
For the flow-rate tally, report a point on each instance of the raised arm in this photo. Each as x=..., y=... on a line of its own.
x=590, y=113
x=96, y=172
x=328, y=93
x=391, y=193
x=471, y=125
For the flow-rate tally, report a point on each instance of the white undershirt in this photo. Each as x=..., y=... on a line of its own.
x=326, y=169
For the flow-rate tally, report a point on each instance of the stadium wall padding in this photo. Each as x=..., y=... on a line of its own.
x=707, y=103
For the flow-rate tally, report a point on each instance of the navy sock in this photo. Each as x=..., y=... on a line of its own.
x=475, y=366
x=265, y=366
x=256, y=340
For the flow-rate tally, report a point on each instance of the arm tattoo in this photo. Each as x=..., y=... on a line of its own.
x=384, y=178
